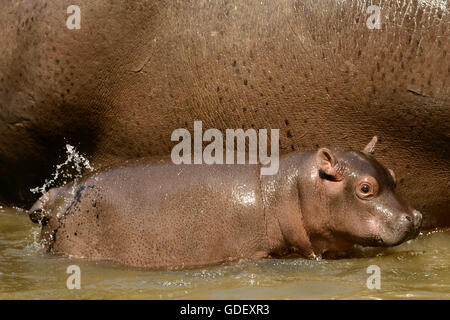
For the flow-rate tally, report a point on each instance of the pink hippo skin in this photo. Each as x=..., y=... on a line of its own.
x=155, y=214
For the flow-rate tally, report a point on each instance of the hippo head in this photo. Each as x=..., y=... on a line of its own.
x=360, y=201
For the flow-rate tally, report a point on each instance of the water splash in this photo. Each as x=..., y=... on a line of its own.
x=35, y=246
x=71, y=169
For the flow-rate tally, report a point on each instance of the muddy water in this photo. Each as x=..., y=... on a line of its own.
x=417, y=269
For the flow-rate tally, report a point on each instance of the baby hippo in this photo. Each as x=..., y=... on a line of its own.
x=155, y=214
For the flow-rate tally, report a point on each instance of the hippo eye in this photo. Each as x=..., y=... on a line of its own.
x=367, y=188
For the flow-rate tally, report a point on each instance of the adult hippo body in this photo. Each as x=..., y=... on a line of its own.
x=135, y=71
x=154, y=214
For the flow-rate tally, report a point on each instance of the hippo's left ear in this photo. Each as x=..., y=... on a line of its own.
x=371, y=145
x=328, y=164
x=392, y=175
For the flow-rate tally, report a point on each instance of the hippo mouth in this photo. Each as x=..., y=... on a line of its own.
x=388, y=240
x=390, y=235
x=378, y=241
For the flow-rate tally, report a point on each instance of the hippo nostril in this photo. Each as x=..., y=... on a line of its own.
x=408, y=221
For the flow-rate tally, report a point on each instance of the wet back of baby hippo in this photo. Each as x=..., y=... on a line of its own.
x=158, y=215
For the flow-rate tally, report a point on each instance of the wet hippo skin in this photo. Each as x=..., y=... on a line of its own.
x=136, y=71
x=153, y=214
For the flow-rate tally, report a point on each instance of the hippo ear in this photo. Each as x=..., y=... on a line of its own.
x=371, y=145
x=328, y=164
x=393, y=175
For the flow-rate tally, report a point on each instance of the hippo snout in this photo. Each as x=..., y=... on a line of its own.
x=415, y=220
x=410, y=223
x=405, y=226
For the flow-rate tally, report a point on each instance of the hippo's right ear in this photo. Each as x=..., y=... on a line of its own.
x=371, y=145
x=328, y=164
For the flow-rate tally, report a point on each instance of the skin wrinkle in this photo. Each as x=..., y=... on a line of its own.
x=309, y=245
x=264, y=207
